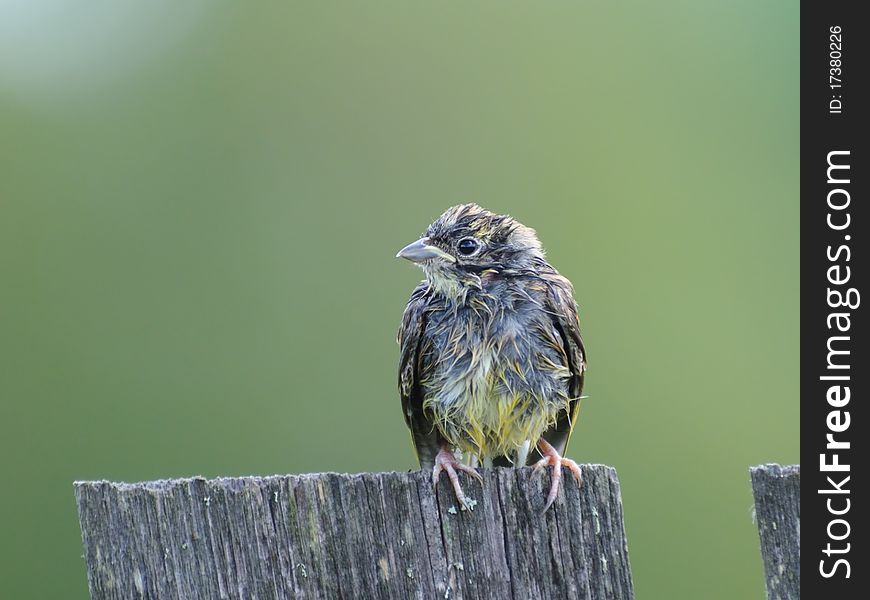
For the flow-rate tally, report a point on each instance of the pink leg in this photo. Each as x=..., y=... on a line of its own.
x=552, y=458
x=445, y=461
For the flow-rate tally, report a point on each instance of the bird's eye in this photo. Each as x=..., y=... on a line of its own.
x=468, y=246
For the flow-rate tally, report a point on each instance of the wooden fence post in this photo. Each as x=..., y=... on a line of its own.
x=373, y=535
x=777, y=492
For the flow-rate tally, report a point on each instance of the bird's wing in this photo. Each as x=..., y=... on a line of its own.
x=560, y=305
x=411, y=340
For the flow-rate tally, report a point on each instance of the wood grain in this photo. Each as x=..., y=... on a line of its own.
x=372, y=535
x=777, y=492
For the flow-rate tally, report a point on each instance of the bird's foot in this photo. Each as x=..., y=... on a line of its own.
x=445, y=461
x=552, y=458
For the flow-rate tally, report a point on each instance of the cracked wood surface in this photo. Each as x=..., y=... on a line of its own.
x=372, y=535
x=777, y=492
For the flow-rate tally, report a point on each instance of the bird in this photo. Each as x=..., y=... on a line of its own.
x=492, y=361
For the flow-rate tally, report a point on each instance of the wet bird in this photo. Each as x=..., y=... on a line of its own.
x=492, y=362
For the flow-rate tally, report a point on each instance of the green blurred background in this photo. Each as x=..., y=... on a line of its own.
x=200, y=203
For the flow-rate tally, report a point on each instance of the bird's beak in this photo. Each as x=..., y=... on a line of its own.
x=422, y=250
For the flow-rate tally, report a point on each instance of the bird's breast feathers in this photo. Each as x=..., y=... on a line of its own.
x=493, y=378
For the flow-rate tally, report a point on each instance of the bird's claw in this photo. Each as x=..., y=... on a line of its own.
x=552, y=458
x=445, y=461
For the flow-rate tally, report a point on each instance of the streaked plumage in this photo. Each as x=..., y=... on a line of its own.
x=491, y=355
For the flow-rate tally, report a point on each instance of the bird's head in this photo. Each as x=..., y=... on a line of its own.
x=467, y=243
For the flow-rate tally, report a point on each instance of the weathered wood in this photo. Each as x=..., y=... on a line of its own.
x=374, y=535
x=777, y=492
